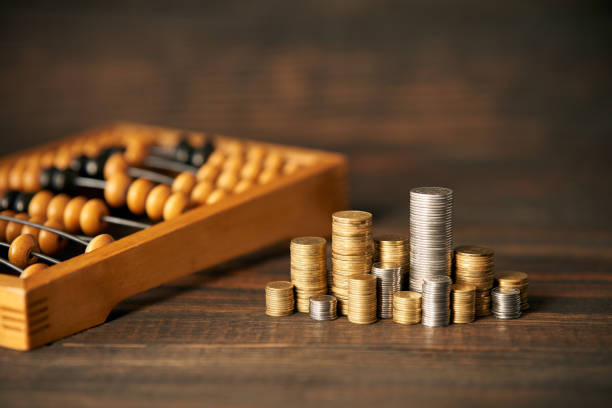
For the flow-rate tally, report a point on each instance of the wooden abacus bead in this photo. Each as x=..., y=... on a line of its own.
x=4, y=176
x=175, y=205
x=136, y=151
x=273, y=161
x=137, y=195
x=216, y=159
x=72, y=214
x=116, y=163
x=233, y=163
x=91, y=217
x=28, y=229
x=256, y=154
x=234, y=148
x=200, y=192
x=31, y=178
x=228, y=180
x=266, y=176
x=4, y=224
x=47, y=158
x=156, y=200
x=184, y=183
x=16, y=175
x=50, y=242
x=250, y=171
x=13, y=229
x=290, y=167
x=39, y=203
x=207, y=172
x=22, y=201
x=33, y=269
x=98, y=241
x=215, y=196
x=63, y=157
x=56, y=207
x=115, y=191
x=243, y=185
x=20, y=251
x=8, y=199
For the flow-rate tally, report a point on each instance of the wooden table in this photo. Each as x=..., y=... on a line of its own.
x=508, y=105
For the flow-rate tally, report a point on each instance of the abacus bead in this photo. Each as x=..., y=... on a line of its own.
x=243, y=185
x=39, y=203
x=72, y=214
x=115, y=191
x=50, y=242
x=8, y=200
x=98, y=242
x=136, y=151
x=290, y=167
x=266, y=176
x=91, y=217
x=233, y=163
x=183, y=151
x=78, y=164
x=256, y=153
x=94, y=166
x=63, y=157
x=20, y=251
x=216, y=159
x=4, y=224
x=56, y=207
x=156, y=200
x=31, y=179
x=200, y=192
x=137, y=195
x=22, y=201
x=47, y=158
x=63, y=180
x=201, y=154
x=215, y=196
x=207, y=172
x=45, y=178
x=184, y=182
x=273, y=161
x=13, y=229
x=34, y=231
x=116, y=163
x=16, y=176
x=250, y=171
x=227, y=180
x=33, y=269
x=175, y=205
x=4, y=176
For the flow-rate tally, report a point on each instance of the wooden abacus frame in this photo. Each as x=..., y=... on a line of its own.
x=80, y=292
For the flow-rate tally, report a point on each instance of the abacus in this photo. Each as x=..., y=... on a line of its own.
x=95, y=218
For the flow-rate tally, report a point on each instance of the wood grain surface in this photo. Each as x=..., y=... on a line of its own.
x=508, y=104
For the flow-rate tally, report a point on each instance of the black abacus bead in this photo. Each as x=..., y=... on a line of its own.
x=200, y=155
x=46, y=178
x=64, y=181
x=183, y=151
x=22, y=201
x=94, y=167
x=8, y=199
x=78, y=164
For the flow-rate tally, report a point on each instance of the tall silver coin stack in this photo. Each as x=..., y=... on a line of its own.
x=506, y=303
x=323, y=307
x=388, y=281
x=431, y=234
x=436, y=300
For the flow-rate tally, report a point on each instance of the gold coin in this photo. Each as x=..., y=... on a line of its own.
x=511, y=276
x=474, y=250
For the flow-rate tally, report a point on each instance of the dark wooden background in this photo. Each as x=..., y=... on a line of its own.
x=508, y=104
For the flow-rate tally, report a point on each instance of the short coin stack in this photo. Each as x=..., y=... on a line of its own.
x=392, y=249
x=352, y=250
x=506, y=303
x=388, y=281
x=463, y=303
x=323, y=307
x=512, y=279
x=362, y=299
x=474, y=266
x=436, y=300
x=407, y=307
x=308, y=269
x=431, y=234
x=279, y=298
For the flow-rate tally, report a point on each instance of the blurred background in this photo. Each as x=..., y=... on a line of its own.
x=509, y=103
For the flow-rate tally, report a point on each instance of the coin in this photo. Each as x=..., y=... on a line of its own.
x=279, y=298
x=515, y=279
x=506, y=302
x=308, y=269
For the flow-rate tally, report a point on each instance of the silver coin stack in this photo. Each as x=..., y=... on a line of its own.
x=436, y=300
x=431, y=234
x=506, y=303
x=323, y=307
x=388, y=281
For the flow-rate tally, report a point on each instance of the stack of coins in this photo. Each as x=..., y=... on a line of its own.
x=352, y=250
x=407, y=307
x=388, y=281
x=512, y=279
x=464, y=303
x=279, y=298
x=506, y=303
x=362, y=299
x=308, y=269
x=391, y=249
x=436, y=300
x=431, y=234
x=323, y=307
x=474, y=266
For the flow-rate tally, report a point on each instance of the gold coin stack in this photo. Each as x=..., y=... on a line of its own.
x=279, y=298
x=407, y=307
x=464, y=302
x=513, y=279
x=474, y=266
x=362, y=299
x=352, y=249
x=308, y=269
x=393, y=249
